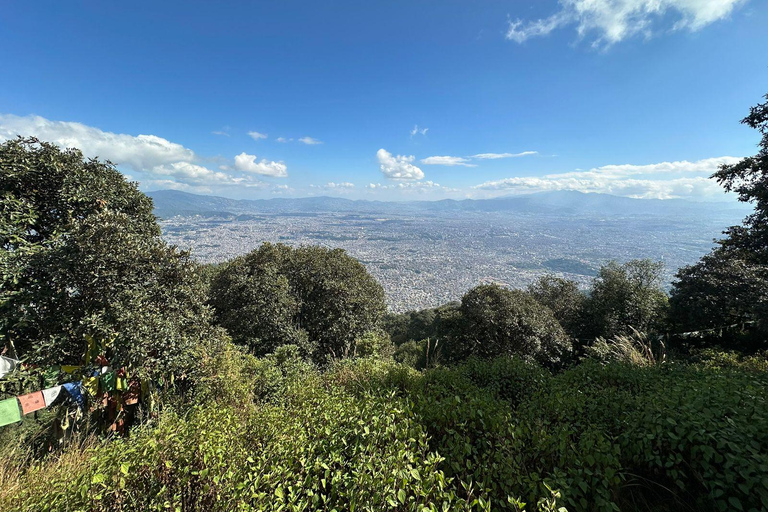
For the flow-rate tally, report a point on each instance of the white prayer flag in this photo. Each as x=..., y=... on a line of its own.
x=50, y=395
x=6, y=365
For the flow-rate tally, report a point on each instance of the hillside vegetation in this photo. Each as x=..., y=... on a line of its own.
x=277, y=381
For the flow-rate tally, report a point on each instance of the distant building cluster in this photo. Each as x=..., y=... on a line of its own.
x=428, y=260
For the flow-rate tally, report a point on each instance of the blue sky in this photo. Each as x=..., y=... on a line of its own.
x=395, y=99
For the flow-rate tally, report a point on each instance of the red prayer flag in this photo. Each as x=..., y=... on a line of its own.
x=32, y=402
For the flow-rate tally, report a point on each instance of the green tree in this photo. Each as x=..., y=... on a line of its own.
x=81, y=255
x=319, y=299
x=435, y=323
x=497, y=321
x=564, y=298
x=728, y=286
x=626, y=296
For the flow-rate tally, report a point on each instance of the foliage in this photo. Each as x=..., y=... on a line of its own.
x=422, y=354
x=625, y=297
x=318, y=299
x=434, y=323
x=731, y=360
x=729, y=284
x=635, y=349
x=81, y=255
x=320, y=448
x=483, y=435
x=373, y=343
x=564, y=298
x=498, y=321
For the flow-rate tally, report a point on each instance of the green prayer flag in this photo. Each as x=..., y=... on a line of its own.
x=9, y=411
x=108, y=381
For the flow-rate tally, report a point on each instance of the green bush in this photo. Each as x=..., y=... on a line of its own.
x=371, y=434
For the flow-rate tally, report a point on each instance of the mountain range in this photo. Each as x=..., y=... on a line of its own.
x=171, y=203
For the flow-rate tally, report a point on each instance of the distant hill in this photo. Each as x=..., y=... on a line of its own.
x=171, y=203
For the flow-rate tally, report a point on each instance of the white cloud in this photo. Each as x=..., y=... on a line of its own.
x=416, y=130
x=282, y=189
x=191, y=174
x=221, y=132
x=140, y=152
x=398, y=167
x=257, y=135
x=447, y=160
x=343, y=185
x=496, y=156
x=282, y=139
x=699, y=187
x=706, y=166
x=615, y=20
x=615, y=179
x=247, y=163
x=421, y=187
x=310, y=141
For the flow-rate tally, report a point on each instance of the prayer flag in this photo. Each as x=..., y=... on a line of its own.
x=73, y=388
x=108, y=381
x=32, y=402
x=7, y=365
x=91, y=385
x=9, y=411
x=68, y=368
x=51, y=394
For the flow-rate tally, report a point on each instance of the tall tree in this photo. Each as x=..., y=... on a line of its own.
x=730, y=284
x=499, y=321
x=626, y=296
x=319, y=299
x=81, y=255
x=565, y=300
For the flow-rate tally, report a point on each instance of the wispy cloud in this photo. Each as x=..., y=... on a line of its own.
x=447, y=160
x=496, y=156
x=421, y=187
x=466, y=161
x=398, y=167
x=416, y=130
x=310, y=141
x=612, y=21
x=257, y=135
x=705, y=166
x=341, y=188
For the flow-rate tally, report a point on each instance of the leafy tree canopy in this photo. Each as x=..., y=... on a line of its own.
x=729, y=285
x=319, y=299
x=499, y=321
x=81, y=255
x=565, y=300
x=625, y=297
